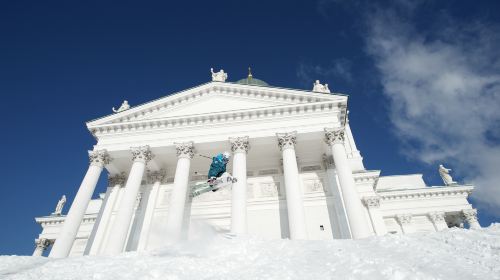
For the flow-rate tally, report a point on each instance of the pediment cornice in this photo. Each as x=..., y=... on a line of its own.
x=220, y=118
x=268, y=94
x=426, y=193
x=276, y=102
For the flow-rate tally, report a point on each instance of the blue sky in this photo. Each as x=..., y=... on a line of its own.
x=423, y=79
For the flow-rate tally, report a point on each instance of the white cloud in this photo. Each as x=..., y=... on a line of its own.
x=444, y=91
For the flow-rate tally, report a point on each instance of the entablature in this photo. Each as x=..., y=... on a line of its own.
x=425, y=193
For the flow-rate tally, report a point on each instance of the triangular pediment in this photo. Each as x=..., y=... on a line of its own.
x=213, y=103
x=212, y=98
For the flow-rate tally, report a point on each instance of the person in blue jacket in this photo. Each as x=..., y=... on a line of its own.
x=218, y=166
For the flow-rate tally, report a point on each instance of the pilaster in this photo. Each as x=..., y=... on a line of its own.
x=404, y=220
x=438, y=221
x=470, y=216
x=372, y=203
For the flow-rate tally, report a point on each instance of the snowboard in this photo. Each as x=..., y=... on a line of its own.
x=213, y=184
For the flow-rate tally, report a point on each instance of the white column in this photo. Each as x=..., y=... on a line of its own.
x=239, y=147
x=115, y=183
x=41, y=245
x=354, y=207
x=64, y=241
x=373, y=205
x=121, y=225
x=404, y=221
x=471, y=216
x=295, y=207
x=155, y=178
x=185, y=152
x=437, y=219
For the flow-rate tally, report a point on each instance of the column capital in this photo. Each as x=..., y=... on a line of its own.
x=334, y=135
x=404, y=218
x=99, y=158
x=142, y=153
x=287, y=140
x=185, y=149
x=239, y=144
x=436, y=216
x=470, y=214
x=156, y=176
x=117, y=180
x=43, y=243
x=371, y=201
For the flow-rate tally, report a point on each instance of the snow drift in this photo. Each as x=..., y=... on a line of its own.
x=452, y=254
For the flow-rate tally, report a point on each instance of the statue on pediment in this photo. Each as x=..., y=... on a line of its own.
x=318, y=87
x=122, y=108
x=445, y=175
x=220, y=76
x=59, y=206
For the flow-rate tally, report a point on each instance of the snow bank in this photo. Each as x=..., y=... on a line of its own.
x=452, y=254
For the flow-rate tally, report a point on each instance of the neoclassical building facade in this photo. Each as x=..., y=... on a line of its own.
x=300, y=174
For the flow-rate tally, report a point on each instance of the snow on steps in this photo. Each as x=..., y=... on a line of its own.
x=452, y=254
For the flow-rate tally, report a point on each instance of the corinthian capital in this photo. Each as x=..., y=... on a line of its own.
x=436, y=216
x=117, y=180
x=372, y=201
x=142, y=153
x=239, y=144
x=287, y=140
x=334, y=136
x=404, y=218
x=470, y=215
x=99, y=158
x=185, y=149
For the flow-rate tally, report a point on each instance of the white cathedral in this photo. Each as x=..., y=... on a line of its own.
x=299, y=175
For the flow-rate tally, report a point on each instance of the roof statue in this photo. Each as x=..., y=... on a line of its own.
x=220, y=76
x=445, y=175
x=59, y=206
x=317, y=87
x=123, y=107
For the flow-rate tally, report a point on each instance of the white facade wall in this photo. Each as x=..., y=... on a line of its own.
x=392, y=204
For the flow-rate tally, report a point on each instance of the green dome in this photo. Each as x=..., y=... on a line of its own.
x=250, y=80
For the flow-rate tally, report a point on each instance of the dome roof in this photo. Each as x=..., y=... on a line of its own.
x=250, y=80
